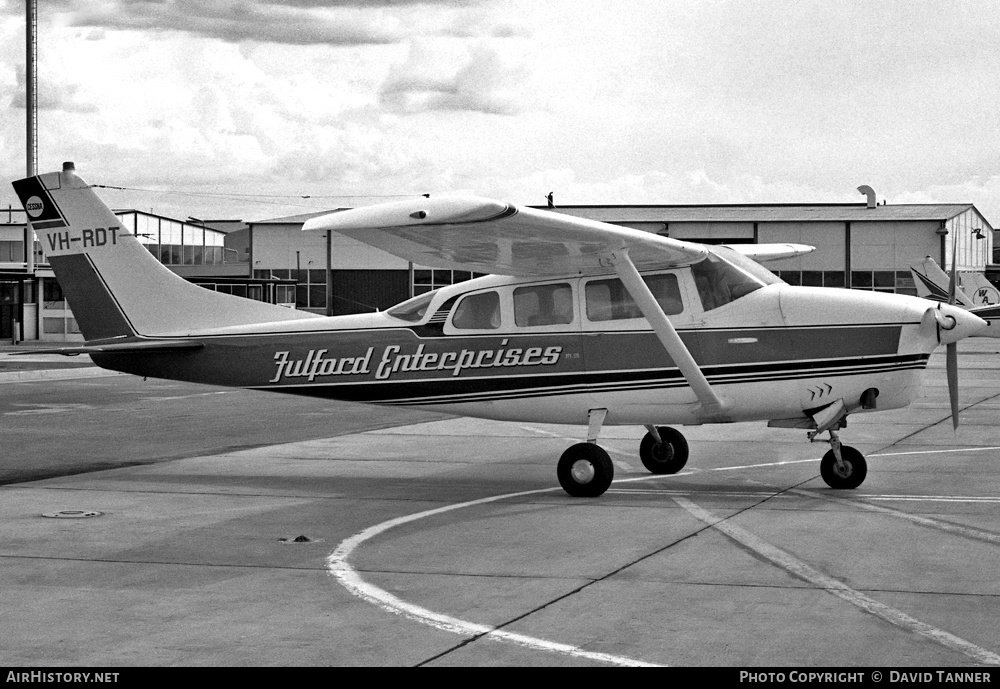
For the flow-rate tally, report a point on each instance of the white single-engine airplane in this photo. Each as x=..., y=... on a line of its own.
x=579, y=322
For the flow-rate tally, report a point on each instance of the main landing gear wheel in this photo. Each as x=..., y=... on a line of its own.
x=585, y=470
x=850, y=474
x=667, y=456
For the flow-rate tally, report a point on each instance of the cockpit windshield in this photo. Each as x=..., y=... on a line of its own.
x=413, y=310
x=726, y=275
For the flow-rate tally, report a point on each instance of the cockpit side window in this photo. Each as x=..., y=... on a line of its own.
x=478, y=312
x=413, y=310
x=719, y=282
x=608, y=300
x=543, y=305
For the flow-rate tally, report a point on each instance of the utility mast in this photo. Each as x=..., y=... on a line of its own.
x=31, y=110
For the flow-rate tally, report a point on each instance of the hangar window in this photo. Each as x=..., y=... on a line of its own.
x=608, y=300
x=543, y=305
x=478, y=312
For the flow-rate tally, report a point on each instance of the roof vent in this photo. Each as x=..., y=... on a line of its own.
x=870, y=193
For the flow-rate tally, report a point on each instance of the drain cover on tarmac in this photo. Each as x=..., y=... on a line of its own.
x=73, y=514
x=301, y=539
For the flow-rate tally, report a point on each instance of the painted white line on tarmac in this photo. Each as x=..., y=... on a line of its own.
x=968, y=531
x=987, y=500
x=934, y=452
x=800, y=569
x=348, y=577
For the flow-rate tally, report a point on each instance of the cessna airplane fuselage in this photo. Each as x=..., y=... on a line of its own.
x=571, y=334
x=771, y=354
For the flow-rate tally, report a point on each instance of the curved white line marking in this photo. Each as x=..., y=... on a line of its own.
x=838, y=588
x=339, y=567
x=348, y=577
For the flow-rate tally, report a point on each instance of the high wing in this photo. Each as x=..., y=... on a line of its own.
x=470, y=233
x=486, y=236
x=762, y=253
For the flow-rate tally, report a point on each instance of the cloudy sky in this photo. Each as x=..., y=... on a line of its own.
x=238, y=109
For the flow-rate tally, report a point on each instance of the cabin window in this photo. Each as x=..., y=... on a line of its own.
x=413, y=310
x=543, y=305
x=720, y=282
x=608, y=300
x=478, y=312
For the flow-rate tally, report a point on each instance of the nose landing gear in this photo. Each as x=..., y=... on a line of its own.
x=842, y=466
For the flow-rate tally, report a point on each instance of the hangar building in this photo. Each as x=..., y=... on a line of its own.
x=859, y=246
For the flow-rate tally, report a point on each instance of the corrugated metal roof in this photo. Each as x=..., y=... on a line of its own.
x=834, y=212
x=768, y=213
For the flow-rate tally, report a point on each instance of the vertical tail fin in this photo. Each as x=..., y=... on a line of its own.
x=932, y=283
x=115, y=287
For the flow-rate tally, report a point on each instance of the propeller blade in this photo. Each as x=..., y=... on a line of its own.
x=954, y=272
x=952, y=369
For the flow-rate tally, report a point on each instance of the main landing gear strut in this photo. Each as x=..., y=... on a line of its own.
x=585, y=470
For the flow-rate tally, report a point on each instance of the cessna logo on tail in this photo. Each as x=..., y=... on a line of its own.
x=34, y=207
x=43, y=213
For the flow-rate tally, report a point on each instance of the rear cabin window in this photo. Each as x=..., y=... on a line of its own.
x=478, y=312
x=608, y=300
x=543, y=305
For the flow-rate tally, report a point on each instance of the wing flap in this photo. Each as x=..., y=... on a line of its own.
x=486, y=236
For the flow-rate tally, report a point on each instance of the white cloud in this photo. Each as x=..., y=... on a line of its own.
x=430, y=80
x=983, y=192
x=630, y=102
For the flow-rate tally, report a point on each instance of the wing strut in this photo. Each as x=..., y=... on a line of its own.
x=713, y=407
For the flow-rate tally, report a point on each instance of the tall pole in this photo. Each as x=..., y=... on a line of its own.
x=329, y=273
x=31, y=110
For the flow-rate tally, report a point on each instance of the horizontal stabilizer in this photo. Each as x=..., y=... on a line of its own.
x=141, y=347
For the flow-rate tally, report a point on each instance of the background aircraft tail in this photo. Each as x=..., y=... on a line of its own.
x=932, y=283
x=115, y=287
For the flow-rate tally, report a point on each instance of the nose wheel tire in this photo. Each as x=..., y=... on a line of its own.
x=850, y=475
x=585, y=470
x=666, y=457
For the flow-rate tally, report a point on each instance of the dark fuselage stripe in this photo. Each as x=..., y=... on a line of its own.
x=446, y=391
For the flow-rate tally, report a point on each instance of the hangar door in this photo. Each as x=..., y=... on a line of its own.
x=364, y=291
